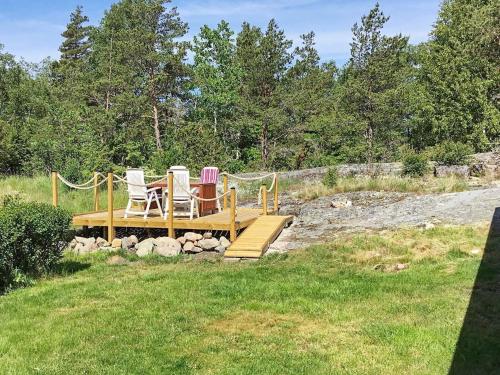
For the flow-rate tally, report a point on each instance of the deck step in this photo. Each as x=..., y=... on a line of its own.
x=255, y=240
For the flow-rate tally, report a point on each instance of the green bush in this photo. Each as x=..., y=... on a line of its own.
x=331, y=177
x=452, y=153
x=415, y=165
x=32, y=239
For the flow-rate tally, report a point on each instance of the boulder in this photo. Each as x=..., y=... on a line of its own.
x=145, y=247
x=101, y=242
x=133, y=240
x=116, y=243
x=223, y=241
x=208, y=244
x=341, y=204
x=451, y=170
x=188, y=246
x=117, y=260
x=85, y=245
x=182, y=240
x=167, y=247
x=81, y=240
x=207, y=235
x=196, y=250
x=72, y=244
x=191, y=236
x=220, y=249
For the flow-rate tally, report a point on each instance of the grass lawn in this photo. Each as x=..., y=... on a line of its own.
x=324, y=310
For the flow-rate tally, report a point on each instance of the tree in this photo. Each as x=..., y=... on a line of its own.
x=264, y=58
x=217, y=76
x=460, y=77
x=76, y=45
x=375, y=91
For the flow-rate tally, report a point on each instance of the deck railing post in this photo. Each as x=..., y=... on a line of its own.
x=264, y=199
x=232, y=215
x=224, y=183
x=96, y=191
x=170, y=205
x=111, y=229
x=55, y=194
x=275, y=208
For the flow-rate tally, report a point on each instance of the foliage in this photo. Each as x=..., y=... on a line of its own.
x=123, y=93
x=32, y=238
x=415, y=164
x=331, y=177
x=452, y=153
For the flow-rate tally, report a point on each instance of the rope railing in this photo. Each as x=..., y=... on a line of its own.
x=84, y=186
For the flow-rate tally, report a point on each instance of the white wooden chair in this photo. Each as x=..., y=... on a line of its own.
x=182, y=193
x=139, y=193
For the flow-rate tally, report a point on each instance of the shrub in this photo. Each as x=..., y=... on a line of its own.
x=331, y=177
x=32, y=238
x=452, y=153
x=415, y=165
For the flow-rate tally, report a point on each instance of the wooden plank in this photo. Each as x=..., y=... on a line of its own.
x=256, y=239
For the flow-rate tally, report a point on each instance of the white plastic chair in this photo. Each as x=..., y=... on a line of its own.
x=182, y=192
x=139, y=193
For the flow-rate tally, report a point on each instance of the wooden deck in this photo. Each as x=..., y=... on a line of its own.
x=255, y=240
x=219, y=221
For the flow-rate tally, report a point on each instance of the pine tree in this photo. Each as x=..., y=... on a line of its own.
x=76, y=45
x=375, y=92
x=460, y=76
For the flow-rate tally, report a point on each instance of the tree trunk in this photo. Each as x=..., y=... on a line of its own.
x=156, y=125
x=264, y=143
x=369, y=144
x=215, y=121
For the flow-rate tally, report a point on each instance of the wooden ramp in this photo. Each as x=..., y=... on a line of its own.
x=255, y=240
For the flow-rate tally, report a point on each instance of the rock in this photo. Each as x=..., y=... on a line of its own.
x=117, y=260
x=208, y=244
x=223, y=241
x=451, y=170
x=188, y=246
x=196, y=250
x=133, y=240
x=401, y=266
x=477, y=169
x=167, y=247
x=182, y=240
x=85, y=245
x=72, y=244
x=145, y=247
x=475, y=251
x=220, y=249
x=426, y=226
x=341, y=204
x=191, y=236
x=207, y=235
x=101, y=242
x=81, y=240
x=116, y=243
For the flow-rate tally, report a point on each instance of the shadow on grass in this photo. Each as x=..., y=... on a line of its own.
x=67, y=267
x=478, y=346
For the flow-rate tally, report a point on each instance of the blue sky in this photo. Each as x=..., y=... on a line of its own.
x=32, y=29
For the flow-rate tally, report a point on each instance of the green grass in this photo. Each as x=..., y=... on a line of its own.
x=324, y=310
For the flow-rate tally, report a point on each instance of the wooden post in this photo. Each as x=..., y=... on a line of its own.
x=232, y=215
x=171, y=232
x=111, y=229
x=276, y=203
x=55, y=194
x=264, y=199
x=224, y=182
x=96, y=192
